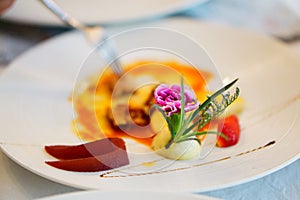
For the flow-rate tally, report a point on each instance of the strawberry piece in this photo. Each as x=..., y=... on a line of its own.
x=230, y=127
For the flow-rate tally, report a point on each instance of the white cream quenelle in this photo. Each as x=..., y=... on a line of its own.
x=177, y=151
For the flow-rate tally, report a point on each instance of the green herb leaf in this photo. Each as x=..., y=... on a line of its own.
x=220, y=91
x=190, y=128
x=182, y=112
x=196, y=133
x=175, y=120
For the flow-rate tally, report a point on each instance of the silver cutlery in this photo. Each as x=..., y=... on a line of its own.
x=93, y=34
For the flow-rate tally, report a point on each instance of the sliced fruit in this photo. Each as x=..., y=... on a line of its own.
x=230, y=128
x=90, y=149
x=107, y=161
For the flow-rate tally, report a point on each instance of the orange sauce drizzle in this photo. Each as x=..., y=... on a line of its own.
x=93, y=104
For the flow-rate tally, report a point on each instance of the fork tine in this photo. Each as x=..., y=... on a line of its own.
x=112, y=57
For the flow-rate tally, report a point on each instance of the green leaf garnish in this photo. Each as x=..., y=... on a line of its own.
x=182, y=129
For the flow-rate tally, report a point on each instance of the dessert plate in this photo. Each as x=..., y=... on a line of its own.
x=35, y=111
x=98, y=11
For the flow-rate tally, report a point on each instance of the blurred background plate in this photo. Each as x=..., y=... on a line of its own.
x=98, y=11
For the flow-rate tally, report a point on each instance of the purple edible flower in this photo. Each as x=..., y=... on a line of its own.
x=169, y=98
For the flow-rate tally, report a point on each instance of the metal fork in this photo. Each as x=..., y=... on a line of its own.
x=93, y=34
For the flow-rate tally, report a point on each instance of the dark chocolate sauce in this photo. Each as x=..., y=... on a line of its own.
x=108, y=174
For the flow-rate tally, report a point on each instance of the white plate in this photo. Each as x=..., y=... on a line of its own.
x=98, y=11
x=35, y=111
x=116, y=195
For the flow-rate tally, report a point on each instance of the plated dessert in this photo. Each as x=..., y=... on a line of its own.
x=165, y=106
x=35, y=102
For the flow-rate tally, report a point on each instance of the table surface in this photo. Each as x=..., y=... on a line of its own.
x=19, y=183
